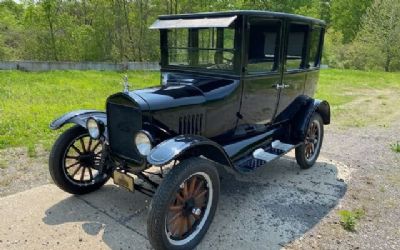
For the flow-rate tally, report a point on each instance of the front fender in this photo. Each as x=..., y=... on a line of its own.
x=78, y=117
x=184, y=145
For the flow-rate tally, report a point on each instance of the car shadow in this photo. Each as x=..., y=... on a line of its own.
x=263, y=210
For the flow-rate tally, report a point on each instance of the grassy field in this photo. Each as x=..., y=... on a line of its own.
x=30, y=101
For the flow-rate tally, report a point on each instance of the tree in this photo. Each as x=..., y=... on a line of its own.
x=378, y=39
x=346, y=16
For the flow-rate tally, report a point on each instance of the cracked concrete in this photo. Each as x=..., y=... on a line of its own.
x=262, y=210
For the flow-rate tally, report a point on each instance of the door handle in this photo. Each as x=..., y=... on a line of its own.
x=280, y=86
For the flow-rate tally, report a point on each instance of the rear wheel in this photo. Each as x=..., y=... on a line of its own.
x=307, y=153
x=75, y=160
x=184, y=205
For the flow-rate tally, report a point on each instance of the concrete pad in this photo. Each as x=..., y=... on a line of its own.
x=262, y=210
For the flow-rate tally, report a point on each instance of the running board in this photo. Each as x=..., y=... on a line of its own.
x=261, y=154
x=275, y=151
x=264, y=155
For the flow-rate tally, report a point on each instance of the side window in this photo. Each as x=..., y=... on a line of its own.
x=296, y=47
x=263, y=46
x=315, y=43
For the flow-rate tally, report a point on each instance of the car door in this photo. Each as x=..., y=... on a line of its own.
x=260, y=93
x=295, y=70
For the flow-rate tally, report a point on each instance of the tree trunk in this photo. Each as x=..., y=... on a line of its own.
x=51, y=29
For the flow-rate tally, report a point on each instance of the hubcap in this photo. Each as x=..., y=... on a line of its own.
x=189, y=209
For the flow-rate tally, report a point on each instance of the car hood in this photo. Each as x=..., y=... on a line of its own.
x=182, y=90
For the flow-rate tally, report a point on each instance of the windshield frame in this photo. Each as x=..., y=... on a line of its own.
x=165, y=65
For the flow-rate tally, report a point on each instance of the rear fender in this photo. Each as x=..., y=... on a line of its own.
x=183, y=146
x=303, y=117
x=78, y=117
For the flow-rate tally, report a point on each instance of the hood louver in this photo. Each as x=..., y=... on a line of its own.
x=191, y=124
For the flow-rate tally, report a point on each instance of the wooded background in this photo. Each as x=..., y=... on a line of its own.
x=361, y=34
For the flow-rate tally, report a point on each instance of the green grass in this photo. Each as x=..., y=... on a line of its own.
x=29, y=101
x=360, y=98
x=343, y=86
x=349, y=219
x=395, y=147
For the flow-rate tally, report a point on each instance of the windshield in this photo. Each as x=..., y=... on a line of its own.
x=206, y=48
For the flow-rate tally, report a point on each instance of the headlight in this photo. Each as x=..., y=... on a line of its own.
x=143, y=142
x=94, y=127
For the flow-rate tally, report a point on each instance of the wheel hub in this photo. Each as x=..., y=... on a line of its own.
x=188, y=206
x=86, y=160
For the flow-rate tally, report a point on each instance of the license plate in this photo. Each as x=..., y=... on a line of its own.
x=124, y=180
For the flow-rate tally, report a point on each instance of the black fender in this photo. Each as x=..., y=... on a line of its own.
x=183, y=146
x=78, y=117
x=302, y=119
x=299, y=113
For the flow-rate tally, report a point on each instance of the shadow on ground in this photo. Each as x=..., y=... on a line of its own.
x=263, y=210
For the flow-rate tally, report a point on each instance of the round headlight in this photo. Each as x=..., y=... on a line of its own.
x=143, y=143
x=94, y=128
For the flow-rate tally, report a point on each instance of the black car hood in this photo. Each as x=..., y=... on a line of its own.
x=182, y=90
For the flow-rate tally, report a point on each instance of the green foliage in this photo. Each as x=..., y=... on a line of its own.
x=395, y=147
x=348, y=219
x=377, y=42
x=101, y=30
x=346, y=17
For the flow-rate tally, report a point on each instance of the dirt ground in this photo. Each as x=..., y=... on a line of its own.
x=372, y=184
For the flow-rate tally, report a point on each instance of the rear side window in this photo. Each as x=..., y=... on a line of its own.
x=315, y=47
x=296, y=47
x=263, y=48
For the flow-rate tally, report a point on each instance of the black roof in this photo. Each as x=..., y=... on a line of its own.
x=268, y=14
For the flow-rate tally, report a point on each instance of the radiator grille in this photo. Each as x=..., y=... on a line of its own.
x=122, y=124
x=191, y=124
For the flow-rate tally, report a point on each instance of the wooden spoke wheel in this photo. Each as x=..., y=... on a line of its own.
x=312, y=139
x=187, y=209
x=307, y=153
x=75, y=162
x=82, y=159
x=184, y=205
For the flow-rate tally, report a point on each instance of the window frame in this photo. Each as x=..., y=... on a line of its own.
x=305, y=50
x=278, y=46
x=317, y=60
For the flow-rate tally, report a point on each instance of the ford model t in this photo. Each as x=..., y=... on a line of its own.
x=235, y=94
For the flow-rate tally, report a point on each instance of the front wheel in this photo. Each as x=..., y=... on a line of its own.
x=75, y=162
x=307, y=153
x=184, y=205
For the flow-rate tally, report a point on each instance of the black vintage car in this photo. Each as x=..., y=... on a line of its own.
x=235, y=94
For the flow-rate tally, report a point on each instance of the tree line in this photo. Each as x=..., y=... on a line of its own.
x=360, y=35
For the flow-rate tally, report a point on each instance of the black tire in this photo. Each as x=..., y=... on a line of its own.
x=58, y=169
x=303, y=157
x=165, y=195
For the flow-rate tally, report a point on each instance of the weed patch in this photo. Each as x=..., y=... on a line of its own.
x=3, y=164
x=395, y=147
x=349, y=219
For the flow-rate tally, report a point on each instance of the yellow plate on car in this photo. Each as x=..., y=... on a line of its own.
x=124, y=180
